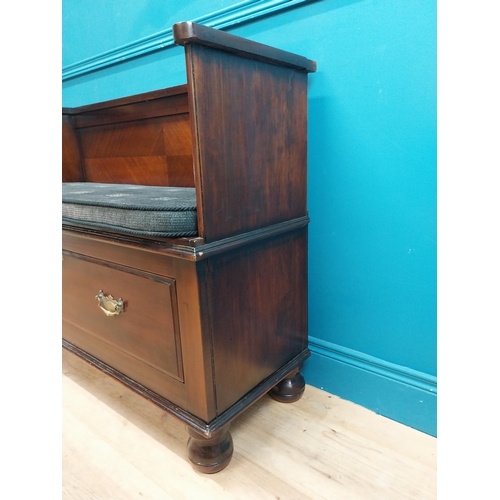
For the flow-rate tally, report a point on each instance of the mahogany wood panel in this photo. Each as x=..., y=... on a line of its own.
x=180, y=170
x=129, y=139
x=157, y=381
x=72, y=170
x=148, y=327
x=249, y=141
x=179, y=150
x=145, y=170
x=258, y=310
x=157, y=152
x=197, y=393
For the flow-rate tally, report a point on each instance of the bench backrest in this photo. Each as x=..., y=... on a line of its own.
x=237, y=132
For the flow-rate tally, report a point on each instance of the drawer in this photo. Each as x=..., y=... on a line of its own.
x=147, y=329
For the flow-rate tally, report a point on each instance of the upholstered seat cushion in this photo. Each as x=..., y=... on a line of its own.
x=142, y=210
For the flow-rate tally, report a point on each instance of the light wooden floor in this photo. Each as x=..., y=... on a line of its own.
x=117, y=445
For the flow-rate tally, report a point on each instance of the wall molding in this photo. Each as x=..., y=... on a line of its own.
x=223, y=18
x=398, y=373
x=396, y=392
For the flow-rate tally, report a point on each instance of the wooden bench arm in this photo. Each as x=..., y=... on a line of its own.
x=189, y=32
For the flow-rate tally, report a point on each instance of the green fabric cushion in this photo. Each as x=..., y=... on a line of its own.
x=142, y=210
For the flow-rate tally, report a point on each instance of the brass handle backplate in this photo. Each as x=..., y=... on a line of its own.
x=109, y=305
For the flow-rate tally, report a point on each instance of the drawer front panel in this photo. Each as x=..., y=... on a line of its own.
x=148, y=327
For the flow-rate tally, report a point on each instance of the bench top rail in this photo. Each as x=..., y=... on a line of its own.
x=190, y=32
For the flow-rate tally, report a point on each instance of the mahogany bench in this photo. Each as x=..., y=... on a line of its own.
x=185, y=236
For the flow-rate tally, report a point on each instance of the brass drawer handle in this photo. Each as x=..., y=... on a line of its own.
x=109, y=305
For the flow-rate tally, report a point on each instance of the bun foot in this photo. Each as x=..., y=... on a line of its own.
x=210, y=455
x=290, y=389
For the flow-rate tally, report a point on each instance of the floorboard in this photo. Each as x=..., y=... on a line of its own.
x=118, y=446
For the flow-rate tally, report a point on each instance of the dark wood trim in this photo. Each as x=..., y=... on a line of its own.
x=233, y=242
x=193, y=249
x=174, y=105
x=198, y=179
x=204, y=428
x=175, y=247
x=189, y=32
x=263, y=388
x=122, y=101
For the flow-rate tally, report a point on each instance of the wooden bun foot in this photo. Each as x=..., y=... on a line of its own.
x=290, y=389
x=210, y=455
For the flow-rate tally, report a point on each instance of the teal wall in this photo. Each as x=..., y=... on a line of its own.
x=372, y=167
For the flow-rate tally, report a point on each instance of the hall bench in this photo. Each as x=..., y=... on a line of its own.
x=185, y=220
